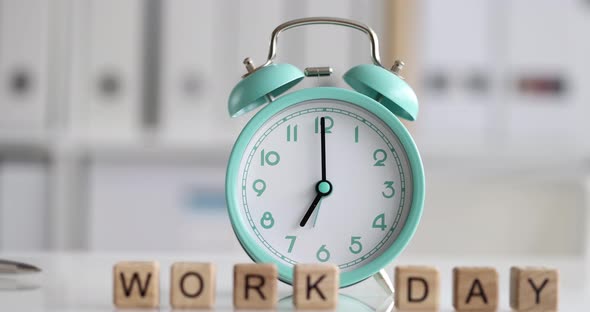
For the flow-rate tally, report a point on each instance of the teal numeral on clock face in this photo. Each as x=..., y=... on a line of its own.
x=259, y=187
x=323, y=254
x=355, y=245
x=329, y=124
x=389, y=191
x=271, y=158
x=292, y=243
x=379, y=156
x=379, y=222
x=293, y=136
x=356, y=134
x=267, y=220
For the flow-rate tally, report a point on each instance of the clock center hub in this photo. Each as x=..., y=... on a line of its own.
x=324, y=187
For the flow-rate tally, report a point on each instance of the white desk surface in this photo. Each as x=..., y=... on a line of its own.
x=83, y=282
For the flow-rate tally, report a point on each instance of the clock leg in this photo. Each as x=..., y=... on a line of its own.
x=386, y=306
x=384, y=281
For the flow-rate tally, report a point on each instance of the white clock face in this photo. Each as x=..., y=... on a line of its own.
x=370, y=185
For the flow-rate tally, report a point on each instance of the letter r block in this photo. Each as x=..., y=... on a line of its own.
x=475, y=289
x=136, y=284
x=255, y=286
x=534, y=289
x=192, y=285
x=315, y=286
x=417, y=288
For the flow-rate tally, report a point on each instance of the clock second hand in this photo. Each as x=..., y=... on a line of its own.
x=315, y=218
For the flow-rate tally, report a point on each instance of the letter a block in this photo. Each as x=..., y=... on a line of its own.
x=136, y=284
x=255, y=286
x=417, y=288
x=475, y=289
x=315, y=286
x=534, y=289
x=192, y=285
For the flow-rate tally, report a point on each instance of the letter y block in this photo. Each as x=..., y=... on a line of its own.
x=534, y=289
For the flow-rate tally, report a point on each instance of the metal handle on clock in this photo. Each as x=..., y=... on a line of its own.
x=272, y=52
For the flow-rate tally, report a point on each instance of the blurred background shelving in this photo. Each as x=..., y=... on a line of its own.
x=114, y=133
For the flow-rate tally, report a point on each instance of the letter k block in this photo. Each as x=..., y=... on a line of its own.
x=315, y=286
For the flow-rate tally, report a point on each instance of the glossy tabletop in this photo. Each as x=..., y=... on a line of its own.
x=83, y=281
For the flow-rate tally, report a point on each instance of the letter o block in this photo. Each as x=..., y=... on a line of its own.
x=417, y=288
x=255, y=286
x=192, y=285
x=315, y=286
x=534, y=289
x=475, y=289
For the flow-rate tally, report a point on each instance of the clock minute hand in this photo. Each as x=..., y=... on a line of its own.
x=323, y=144
x=323, y=187
x=311, y=208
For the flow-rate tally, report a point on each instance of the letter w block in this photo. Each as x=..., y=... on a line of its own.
x=136, y=284
x=417, y=288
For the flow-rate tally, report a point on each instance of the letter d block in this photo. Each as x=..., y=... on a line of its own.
x=315, y=286
x=417, y=288
x=475, y=289
x=534, y=289
x=136, y=284
x=255, y=286
x=192, y=285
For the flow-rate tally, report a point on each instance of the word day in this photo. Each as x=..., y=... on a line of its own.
x=315, y=286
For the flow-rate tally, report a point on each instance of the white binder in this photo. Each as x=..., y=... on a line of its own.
x=457, y=42
x=189, y=69
x=23, y=65
x=169, y=208
x=543, y=121
x=107, y=69
x=23, y=206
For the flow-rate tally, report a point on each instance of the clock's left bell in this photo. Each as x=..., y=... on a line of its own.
x=260, y=85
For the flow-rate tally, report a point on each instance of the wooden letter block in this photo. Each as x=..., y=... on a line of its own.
x=255, y=286
x=417, y=288
x=192, y=285
x=534, y=289
x=315, y=286
x=136, y=284
x=475, y=289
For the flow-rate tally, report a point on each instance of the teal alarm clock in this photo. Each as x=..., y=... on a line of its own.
x=325, y=174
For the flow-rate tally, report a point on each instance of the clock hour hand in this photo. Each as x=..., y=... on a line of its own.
x=323, y=188
x=309, y=212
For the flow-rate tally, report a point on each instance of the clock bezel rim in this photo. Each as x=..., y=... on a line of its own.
x=232, y=186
